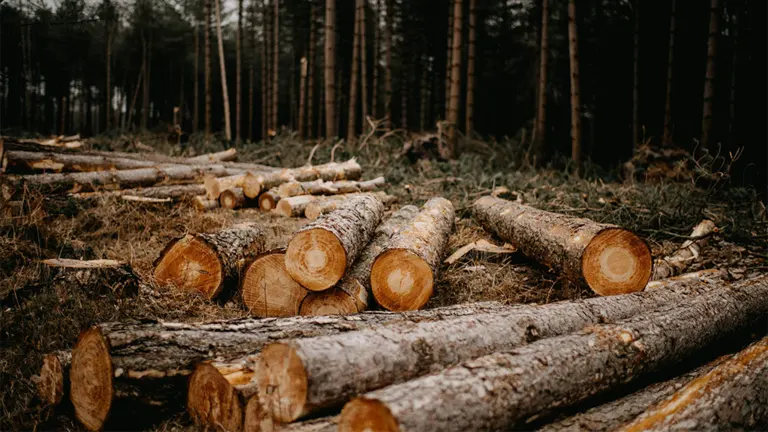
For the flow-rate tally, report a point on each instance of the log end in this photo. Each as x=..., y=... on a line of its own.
x=252, y=185
x=361, y=414
x=401, y=280
x=50, y=385
x=314, y=210
x=212, y=401
x=616, y=261
x=328, y=302
x=190, y=264
x=268, y=290
x=316, y=259
x=212, y=189
x=229, y=199
x=91, y=379
x=281, y=371
x=267, y=202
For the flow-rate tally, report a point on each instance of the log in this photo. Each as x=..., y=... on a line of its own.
x=320, y=187
x=215, y=186
x=232, y=198
x=732, y=396
x=352, y=293
x=682, y=258
x=313, y=374
x=202, y=203
x=267, y=288
x=222, y=156
x=238, y=372
x=53, y=381
x=209, y=263
x=500, y=391
x=709, y=275
x=254, y=183
x=268, y=200
x=174, y=192
x=403, y=275
x=30, y=162
x=321, y=252
x=294, y=206
x=608, y=259
x=94, y=277
x=327, y=204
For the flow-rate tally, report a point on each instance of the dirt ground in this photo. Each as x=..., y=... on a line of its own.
x=661, y=212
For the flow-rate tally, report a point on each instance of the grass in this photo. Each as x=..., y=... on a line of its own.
x=662, y=212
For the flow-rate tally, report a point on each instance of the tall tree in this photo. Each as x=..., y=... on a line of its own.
x=302, y=96
x=266, y=101
x=424, y=92
x=330, y=68
x=670, y=73
x=351, y=124
x=311, y=71
x=734, y=65
x=709, y=82
x=223, y=71
x=388, y=75
x=196, y=89
x=540, y=133
x=239, y=66
x=470, y=112
x=251, y=65
x=376, y=49
x=207, y=44
x=453, y=112
x=145, y=85
x=363, y=64
x=448, y=60
x=275, y=60
x=573, y=49
x=636, y=79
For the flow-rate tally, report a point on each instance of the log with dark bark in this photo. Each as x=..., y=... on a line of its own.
x=353, y=292
x=267, y=288
x=174, y=192
x=403, y=274
x=268, y=200
x=232, y=198
x=732, y=396
x=320, y=187
x=682, y=258
x=30, y=162
x=400, y=352
x=321, y=252
x=609, y=259
x=209, y=263
x=203, y=203
x=53, y=381
x=255, y=183
x=94, y=277
x=327, y=204
x=500, y=391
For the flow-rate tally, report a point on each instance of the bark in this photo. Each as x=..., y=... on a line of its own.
x=223, y=72
x=319, y=187
x=734, y=77
x=264, y=72
x=388, y=73
x=501, y=391
x=579, y=248
x=254, y=183
x=174, y=192
x=268, y=200
x=573, y=50
x=682, y=258
x=636, y=81
x=403, y=274
x=453, y=108
x=53, y=381
x=353, y=292
x=398, y=353
x=732, y=396
x=275, y=62
x=541, y=111
x=222, y=156
x=311, y=73
x=239, y=69
x=326, y=204
x=471, y=69
x=294, y=206
x=209, y=263
x=363, y=66
x=267, y=288
x=330, y=68
x=709, y=81
x=202, y=203
x=207, y=47
x=376, y=54
x=196, y=89
x=302, y=97
x=352, y=122
x=232, y=199
x=251, y=69
x=321, y=252
x=448, y=61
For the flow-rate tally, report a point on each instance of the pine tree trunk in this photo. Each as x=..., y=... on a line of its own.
x=328, y=203
x=580, y=248
x=573, y=49
x=302, y=97
x=448, y=60
x=196, y=90
x=223, y=71
x=667, y=139
x=352, y=122
x=471, y=70
x=254, y=183
x=207, y=47
x=636, y=81
x=376, y=54
x=363, y=65
x=453, y=109
x=238, y=74
x=388, y=74
x=404, y=82
x=108, y=84
x=709, y=82
x=423, y=94
x=267, y=288
x=500, y=391
x=275, y=62
x=251, y=71
x=330, y=68
x=265, y=67
x=541, y=110
x=734, y=76
x=145, y=82
x=311, y=74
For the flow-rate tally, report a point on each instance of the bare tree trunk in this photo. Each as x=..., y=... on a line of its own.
x=636, y=80
x=196, y=90
x=448, y=62
x=302, y=87
x=670, y=71
x=471, y=69
x=388, y=76
x=540, y=132
x=145, y=83
x=275, y=61
x=423, y=90
x=363, y=65
x=251, y=65
x=108, y=84
x=311, y=73
x=223, y=68
x=709, y=82
x=265, y=81
x=404, y=95
x=376, y=48
x=573, y=48
x=238, y=74
x=734, y=65
x=352, y=123
x=207, y=43
x=453, y=112
x=330, y=68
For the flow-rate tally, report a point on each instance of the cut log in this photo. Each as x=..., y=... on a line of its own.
x=30, y=162
x=352, y=293
x=209, y=263
x=268, y=200
x=294, y=206
x=146, y=200
x=500, y=391
x=214, y=186
x=609, y=259
x=174, y=192
x=53, y=381
x=709, y=275
x=320, y=187
x=232, y=198
x=732, y=396
x=222, y=156
x=327, y=204
x=202, y=203
x=321, y=252
x=254, y=183
x=313, y=374
x=267, y=288
x=403, y=275
x=682, y=258
x=94, y=277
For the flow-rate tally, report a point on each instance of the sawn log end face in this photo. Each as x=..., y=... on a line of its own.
x=91, y=378
x=283, y=382
x=191, y=264
x=316, y=259
x=268, y=290
x=328, y=302
x=401, y=280
x=616, y=262
x=362, y=415
x=50, y=386
x=211, y=400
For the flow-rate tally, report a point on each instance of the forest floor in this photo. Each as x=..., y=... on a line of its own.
x=663, y=212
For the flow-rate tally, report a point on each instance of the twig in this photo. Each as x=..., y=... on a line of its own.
x=335, y=146
x=312, y=153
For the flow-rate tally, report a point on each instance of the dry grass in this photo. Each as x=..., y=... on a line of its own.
x=136, y=233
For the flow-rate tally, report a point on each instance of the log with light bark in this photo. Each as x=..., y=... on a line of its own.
x=268, y=200
x=732, y=396
x=203, y=203
x=353, y=292
x=232, y=198
x=93, y=277
x=222, y=156
x=30, y=162
x=327, y=204
x=53, y=380
x=214, y=186
x=294, y=206
x=310, y=375
x=682, y=258
x=267, y=288
x=174, y=192
x=609, y=259
x=403, y=275
x=502, y=390
x=209, y=263
x=320, y=187
x=255, y=183
x=321, y=252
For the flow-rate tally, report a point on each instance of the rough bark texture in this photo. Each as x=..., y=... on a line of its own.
x=321, y=252
x=26, y=162
x=573, y=49
x=330, y=68
x=268, y=200
x=174, y=192
x=320, y=187
x=53, y=381
x=402, y=276
x=667, y=138
x=232, y=198
x=352, y=121
x=253, y=183
x=564, y=243
x=400, y=352
x=709, y=79
x=679, y=261
x=267, y=288
x=453, y=107
x=209, y=262
x=502, y=390
x=326, y=204
x=222, y=72
x=732, y=396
